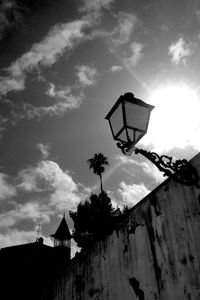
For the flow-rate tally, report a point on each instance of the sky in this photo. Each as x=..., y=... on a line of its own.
x=63, y=64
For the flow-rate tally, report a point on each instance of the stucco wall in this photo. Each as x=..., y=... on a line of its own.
x=154, y=254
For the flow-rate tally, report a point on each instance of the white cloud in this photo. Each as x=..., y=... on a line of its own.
x=44, y=150
x=86, y=75
x=148, y=167
x=131, y=194
x=58, y=109
x=47, y=241
x=7, y=190
x=64, y=193
x=28, y=180
x=126, y=25
x=66, y=100
x=153, y=172
x=45, y=53
x=10, y=83
x=59, y=93
x=16, y=237
x=29, y=111
x=29, y=211
x=116, y=68
x=136, y=49
x=180, y=51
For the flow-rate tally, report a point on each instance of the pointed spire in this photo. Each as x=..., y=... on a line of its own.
x=62, y=233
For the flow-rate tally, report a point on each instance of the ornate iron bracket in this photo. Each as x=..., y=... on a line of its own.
x=124, y=146
x=180, y=171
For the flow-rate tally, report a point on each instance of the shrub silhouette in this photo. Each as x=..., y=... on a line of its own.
x=94, y=219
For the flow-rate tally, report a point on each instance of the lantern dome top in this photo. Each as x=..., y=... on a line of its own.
x=129, y=97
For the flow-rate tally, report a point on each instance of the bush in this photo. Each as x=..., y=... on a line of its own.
x=94, y=219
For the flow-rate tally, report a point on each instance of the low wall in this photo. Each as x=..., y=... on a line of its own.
x=154, y=254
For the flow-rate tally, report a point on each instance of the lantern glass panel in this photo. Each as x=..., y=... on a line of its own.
x=122, y=136
x=137, y=116
x=116, y=120
x=130, y=135
x=138, y=135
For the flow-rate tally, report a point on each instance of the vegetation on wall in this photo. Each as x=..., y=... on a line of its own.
x=94, y=219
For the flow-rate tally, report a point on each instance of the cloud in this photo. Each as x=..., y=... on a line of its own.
x=58, y=109
x=11, y=83
x=131, y=194
x=126, y=25
x=28, y=179
x=64, y=193
x=95, y=5
x=65, y=190
x=9, y=15
x=44, y=150
x=147, y=167
x=86, y=75
x=34, y=211
x=14, y=237
x=116, y=68
x=153, y=172
x=66, y=101
x=180, y=51
x=58, y=93
x=136, y=49
x=48, y=51
x=7, y=190
x=45, y=53
x=47, y=241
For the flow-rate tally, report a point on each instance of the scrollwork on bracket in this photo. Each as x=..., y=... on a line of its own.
x=124, y=146
x=180, y=170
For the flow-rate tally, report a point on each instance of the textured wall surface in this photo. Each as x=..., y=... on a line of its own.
x=154, y=254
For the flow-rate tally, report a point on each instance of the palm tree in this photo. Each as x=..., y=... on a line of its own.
x=97, y=163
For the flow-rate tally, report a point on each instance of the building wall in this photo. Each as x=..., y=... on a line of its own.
x=154, y=254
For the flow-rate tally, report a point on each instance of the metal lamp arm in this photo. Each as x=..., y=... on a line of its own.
x=179, y=170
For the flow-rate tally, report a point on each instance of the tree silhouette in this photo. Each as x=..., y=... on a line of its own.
x=94, y=219
x=97, y=163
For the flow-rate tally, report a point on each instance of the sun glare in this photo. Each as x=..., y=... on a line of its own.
x=175, y=120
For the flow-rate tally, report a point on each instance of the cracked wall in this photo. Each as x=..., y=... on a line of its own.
x=154, y=254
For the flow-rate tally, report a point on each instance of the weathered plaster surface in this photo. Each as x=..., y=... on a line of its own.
x=154, y=254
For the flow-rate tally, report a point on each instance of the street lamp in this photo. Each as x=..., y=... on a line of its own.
x=129, y=119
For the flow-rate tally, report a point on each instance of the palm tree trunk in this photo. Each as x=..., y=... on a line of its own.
x=101, y=182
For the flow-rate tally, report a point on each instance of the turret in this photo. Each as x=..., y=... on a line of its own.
x=62, y=236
